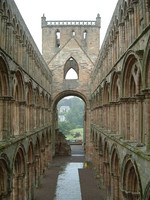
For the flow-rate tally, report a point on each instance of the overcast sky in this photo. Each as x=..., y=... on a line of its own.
x=32, y=11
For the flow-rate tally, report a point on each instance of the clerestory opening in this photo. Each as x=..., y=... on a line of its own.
x=71, y=69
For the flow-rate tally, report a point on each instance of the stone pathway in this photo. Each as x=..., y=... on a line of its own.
x=88, y=183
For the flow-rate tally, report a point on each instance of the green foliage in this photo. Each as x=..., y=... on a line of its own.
x=73, y=132
x=64, y=127
x=74, y=117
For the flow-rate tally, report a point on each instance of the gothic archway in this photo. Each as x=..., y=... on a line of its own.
x=19, y=175
x=71, y=64
x=130, y=181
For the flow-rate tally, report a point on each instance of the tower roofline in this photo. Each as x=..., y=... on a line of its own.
x=56, y=23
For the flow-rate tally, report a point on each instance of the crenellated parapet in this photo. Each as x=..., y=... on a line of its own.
x=57, y=33
x=97, y=22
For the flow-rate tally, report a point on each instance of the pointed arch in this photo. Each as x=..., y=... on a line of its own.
x=115, y=175
x=131, y=74
x=115, y=87
x=71, y=64
x=19, y=174
x=4, y=81
x=4, y=177
x=130, y=180
x=30, y=170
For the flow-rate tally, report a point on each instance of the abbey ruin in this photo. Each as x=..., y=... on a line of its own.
x=113, y=81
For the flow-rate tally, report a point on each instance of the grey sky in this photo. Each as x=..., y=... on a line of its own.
x=32, y=11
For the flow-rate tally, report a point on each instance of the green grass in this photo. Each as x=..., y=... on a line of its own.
x=72, y=133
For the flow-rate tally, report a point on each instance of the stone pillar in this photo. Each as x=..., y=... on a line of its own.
x=140, y=118
x=87, y=131
x=22, y=117
x=121, y=38
x=42, y=161
x=1, y=11
x=147, y=120
x=146, y=11
x=126, y=119
x=101, y=166
x=37, y=170
x=131, y=25
x=4, y=32
x=21, y=194
x=31, y=117
x=38, y=117
x=15, y=188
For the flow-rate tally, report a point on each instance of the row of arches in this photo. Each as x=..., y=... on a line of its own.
x=25, y=106
x=124, y=29
x=19, y=177
x=119, y=172
x=119, y=103
x=17, y=42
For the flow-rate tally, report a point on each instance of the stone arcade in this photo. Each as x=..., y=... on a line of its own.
x=114, y=83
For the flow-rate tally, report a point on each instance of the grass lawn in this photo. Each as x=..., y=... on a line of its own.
x=73, y=132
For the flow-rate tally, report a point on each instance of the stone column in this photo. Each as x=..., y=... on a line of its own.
x=37, y=170
x=4, y=32
x=131, y=25
x=147, y=120
x=22, y=117
x=31, y=117
x=87, y=131
x=21, y=194
x=127, y=120
x=1, y=11
x=101, y=166
x=15, y=187
x=140, y=99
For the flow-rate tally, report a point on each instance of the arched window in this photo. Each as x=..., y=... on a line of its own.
x=73, y=33
x=85, y=38
x=85, y=35
x=71, y=69
x=58, y=38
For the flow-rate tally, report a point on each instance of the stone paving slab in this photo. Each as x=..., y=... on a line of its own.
x=88, y=182
x=89, y=186
x=47, y=188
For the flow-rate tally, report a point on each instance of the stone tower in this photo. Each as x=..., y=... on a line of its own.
x=56, y=34
x=70, y=45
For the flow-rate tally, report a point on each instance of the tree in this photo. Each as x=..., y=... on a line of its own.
x=74, y=116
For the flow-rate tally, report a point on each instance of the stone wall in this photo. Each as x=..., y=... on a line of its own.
x=120, y=133
x=25, y=108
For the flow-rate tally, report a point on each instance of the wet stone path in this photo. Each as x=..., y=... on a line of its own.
x=67, y=179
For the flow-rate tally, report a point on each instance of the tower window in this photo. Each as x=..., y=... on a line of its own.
x=57, y=38
x=85, y=35
x=73, y=33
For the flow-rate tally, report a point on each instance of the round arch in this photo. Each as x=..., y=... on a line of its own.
x=69, y=93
